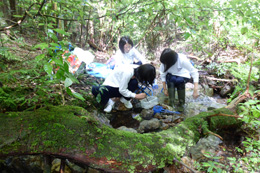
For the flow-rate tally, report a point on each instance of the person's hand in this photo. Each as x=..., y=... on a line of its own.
x=165, y=91
x=195, y=94
x=140, y=96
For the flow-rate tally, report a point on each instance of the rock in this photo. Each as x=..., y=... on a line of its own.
x=227, y=89
x=208, y=91
x=146, y=114
x=209, y=144
x=149, y=125
x=127, y=129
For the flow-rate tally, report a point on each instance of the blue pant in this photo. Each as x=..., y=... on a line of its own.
x=107, y=92
x=178, y=81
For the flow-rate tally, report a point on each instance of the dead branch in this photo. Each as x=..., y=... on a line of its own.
x=194, y=57
x=223, y=80
x=94, y=46
x=209, y=132
x=238, y=100
x=229, y=61
x=180, y=162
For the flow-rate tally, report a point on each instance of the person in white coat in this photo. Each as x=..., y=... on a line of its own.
x=123, y=82
x=176, y=70
x=127, y=53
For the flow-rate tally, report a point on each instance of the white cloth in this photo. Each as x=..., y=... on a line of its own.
x=182, y=67
x=119, y=78
x=84, y=55
x=128, y=58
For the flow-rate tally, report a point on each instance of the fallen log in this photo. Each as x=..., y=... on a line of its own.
x=75, y=134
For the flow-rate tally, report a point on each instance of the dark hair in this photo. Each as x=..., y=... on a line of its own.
x=145, y=74
x=168, y=58
x=123, y=41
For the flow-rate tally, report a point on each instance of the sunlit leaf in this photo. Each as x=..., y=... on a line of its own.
x=244, y=30
x=79, y=96
x=48, y=68
x=68, y=82
x=186, y=35
x=41, y=45
x=40, y=57
x=61, y=32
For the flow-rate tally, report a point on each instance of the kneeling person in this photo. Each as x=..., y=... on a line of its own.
x=122, y=82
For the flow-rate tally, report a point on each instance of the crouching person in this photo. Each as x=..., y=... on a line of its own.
x=122, y=82
x=175, y=71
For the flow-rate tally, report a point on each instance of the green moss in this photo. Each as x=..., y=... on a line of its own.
x=65, y=128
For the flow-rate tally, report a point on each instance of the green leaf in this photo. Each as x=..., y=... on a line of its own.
x=58, y=61
x=79, y=96
x=188, y=20
x=72, y=77
x=42, y=46
x=68, y=82
x=60, y=74
x=186, y=35
x=55, y=44
x=244, y=30
x=40, y=57
x=61, y=32
x=48, y=68
x=18, y=16
x=68, y=91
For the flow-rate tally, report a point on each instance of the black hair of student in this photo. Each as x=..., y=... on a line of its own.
x=123, y=41
x=168, y=58
x=145, y=74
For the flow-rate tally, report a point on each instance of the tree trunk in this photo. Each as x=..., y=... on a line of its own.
x=75, y=134
x=13, y=9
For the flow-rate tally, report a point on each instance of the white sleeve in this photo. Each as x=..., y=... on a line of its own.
x=193, y=71
x=162, y=73
x=118, y=58
x=125, y=78
x=139, y=56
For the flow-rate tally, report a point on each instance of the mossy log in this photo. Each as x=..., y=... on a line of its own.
x=74, y=133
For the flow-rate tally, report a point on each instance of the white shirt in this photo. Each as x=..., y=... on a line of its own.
x=119, y=78
x=128, y=58
x=182, y=67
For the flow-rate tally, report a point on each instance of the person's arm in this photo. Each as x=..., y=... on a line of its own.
x=140, y=96
x=195, y=90
x=163, y=78
x=125, y=77
x=165, y=90
x=138, y=56
x=195, y=75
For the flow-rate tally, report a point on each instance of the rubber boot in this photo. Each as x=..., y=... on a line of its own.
x=171, y=92
x=181, y=98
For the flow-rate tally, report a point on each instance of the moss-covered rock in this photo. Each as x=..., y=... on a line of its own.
x=74, y=133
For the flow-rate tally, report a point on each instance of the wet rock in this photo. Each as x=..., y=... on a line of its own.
x=103, y=118
x=149, y=125
x=177, y=119
x=168, y=119
x=164, y=126
x=147, y=114
x=206, y=145
x=208, y=91
x=227, y=89
x=201, y=104
x=23, y=164
x=127, y=129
